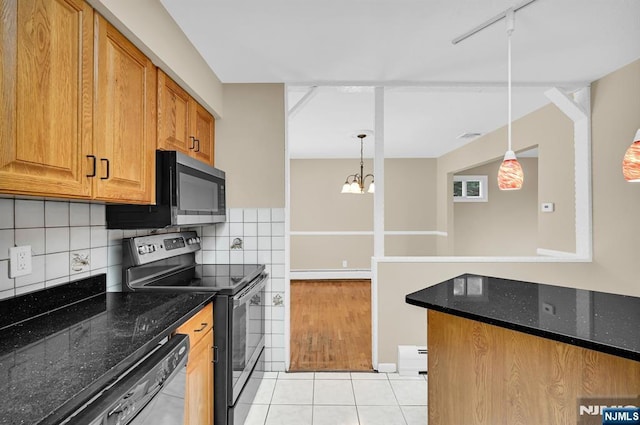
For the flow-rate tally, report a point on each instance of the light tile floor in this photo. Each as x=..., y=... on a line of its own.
x=337, y=398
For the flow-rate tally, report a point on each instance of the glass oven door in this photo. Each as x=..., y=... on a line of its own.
x=248, y=326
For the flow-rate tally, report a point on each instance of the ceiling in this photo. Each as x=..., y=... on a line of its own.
x=435, y=90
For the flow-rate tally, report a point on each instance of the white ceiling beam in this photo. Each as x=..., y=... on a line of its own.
x=566, y=104
x=568, y=86
x=313, y=90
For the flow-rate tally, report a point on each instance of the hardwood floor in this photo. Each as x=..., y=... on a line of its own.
x=330, y=325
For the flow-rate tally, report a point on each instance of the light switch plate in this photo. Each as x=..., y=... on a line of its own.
x=20, y=261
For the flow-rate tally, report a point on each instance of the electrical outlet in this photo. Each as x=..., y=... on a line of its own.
x=344, y=263
x=19, y=261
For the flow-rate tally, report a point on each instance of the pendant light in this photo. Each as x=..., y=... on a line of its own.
x=354, y=183
x=510, y=175
x=631, y=161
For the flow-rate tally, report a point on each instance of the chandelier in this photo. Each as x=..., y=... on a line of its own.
x=354, y=183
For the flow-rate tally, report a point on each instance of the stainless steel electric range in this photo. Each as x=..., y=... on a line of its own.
x=166, y=262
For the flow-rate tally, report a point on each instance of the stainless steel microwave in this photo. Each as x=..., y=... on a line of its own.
x=188, y=192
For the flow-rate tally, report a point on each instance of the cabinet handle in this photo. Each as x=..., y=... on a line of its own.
x=215, y=354
x=204, y=325
x=193, y=142
x=93, y=173
x=107, y=161
x=198, y=144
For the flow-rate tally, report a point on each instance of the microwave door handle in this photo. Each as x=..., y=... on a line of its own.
x=256, y=287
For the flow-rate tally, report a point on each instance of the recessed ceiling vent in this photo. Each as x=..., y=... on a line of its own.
x=467, y=136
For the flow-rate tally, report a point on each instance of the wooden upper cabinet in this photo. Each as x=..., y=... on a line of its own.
x=124, y=118
x=46, y=57
x=204, y=133
x=183, y=124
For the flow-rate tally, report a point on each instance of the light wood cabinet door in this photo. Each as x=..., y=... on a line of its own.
x=46, y=56
x=204, y=129
x=124, y=118
x=174, y=129
x=199, y=391
x=183, y=124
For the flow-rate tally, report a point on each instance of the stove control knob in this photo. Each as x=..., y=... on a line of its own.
x=197, y=239
x=143, y=249
x=152, y=248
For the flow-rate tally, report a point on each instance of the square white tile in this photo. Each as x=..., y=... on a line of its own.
x=265, y=391
x=277, y=270
x=6, y=242
x=79, y=214
x=99, y=258
x=209, y=257
x=410, y=393
x=250, y=229
x=29, y=214
x=222, y=229
x=264, y=243
x=208, y=243
x=264, y=257
x=415, y=415
x=98, y=237
x=374, y=393
x=236, y=256
x=250, y=215
x=56, y=282
x=277, y=229
x=250, y=243
x=236, y=230
x=114, y=255
x=277, y=243
x=289, y=415
x=381, y=415
x=33, y=237
x=293, y=391
x=222, y=257
x=278, y=257
x=97, y=214
x=79, y=238
x=264, y=215
x=6, y=213
x=264, y=229
x=56, y=239
x=257, y=414
x=333, y=392
x=335, y=415
x=277, y=327
x=56, y=265
x=223, y=243
x=56, y=214
x=332, y=375
x=235, y=215
x=250, y=257
x=277, y=215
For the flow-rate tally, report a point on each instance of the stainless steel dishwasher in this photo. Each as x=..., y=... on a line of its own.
x=149, y=393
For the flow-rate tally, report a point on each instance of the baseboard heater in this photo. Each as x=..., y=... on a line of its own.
x=412, y=360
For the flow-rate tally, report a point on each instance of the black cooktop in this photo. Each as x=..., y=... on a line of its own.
x=224, y=279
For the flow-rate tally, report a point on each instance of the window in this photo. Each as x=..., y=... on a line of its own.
x=470, y=189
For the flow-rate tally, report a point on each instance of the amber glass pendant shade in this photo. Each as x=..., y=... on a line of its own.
x=510, y=174
x=631, y=161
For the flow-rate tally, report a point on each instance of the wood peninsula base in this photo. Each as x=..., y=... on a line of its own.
x=485, y=374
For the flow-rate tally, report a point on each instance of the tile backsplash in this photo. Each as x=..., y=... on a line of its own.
x=70, y=241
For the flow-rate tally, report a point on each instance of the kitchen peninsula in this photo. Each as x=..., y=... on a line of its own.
x=505, y=351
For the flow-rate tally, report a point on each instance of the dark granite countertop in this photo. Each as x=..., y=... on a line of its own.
x=52, y=363
x=596, y=320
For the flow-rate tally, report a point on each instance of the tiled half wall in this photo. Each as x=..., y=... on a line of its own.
x=69, y=241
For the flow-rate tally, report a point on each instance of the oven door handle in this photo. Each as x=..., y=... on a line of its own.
x=253, y=289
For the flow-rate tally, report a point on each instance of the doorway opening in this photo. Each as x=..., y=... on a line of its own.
x=330, y=325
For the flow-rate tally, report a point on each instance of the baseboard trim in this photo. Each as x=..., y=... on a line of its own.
x=329, y=274
x=386, y=367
